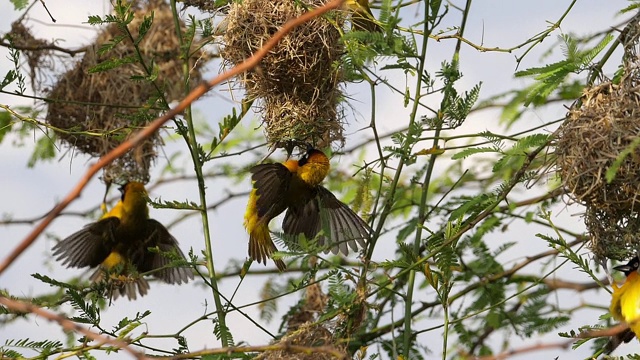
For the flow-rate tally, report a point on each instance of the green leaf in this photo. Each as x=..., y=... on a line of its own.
x=95, y=20
x=551, y=76
x=20, y=4
x=5, y=124
x=9, y=77
x=472, y=151
x=473, y=205
x=108, y=46
x=47, y=280
x=30, y=344
x=631, y=7
x=44, y=150
x=613, y=169
x=10, y=354
x=144, y=28
x=407, y=230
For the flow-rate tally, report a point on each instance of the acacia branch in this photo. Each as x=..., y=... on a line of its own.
x=69, y=325
x=525, y=349
x=428, y=305
x=43, y=47
x=608, y=332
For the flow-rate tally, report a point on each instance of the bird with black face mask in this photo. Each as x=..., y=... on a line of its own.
x=118, y=244
x=625, y=304
x=312, y=211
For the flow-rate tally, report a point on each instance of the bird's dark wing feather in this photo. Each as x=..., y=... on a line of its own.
x=271, y=182
x=158, y=236
x=343, y=228
x=89, y=246
x=302, y=218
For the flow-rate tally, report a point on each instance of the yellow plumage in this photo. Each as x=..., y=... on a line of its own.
x=294, y=186
x=362, y=17
x=625, y=304
x=118, y=244
x=260, y=244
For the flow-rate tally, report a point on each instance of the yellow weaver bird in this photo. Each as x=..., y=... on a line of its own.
x=294, y=186
x=119, y=244
x=625, y=303
x=362, y=18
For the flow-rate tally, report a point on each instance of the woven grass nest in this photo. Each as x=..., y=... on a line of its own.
x=308, y=335
x=613, y=235
x=592, y=138
x=297, y=84
x=604, y=125
x=304, y=330
x=96, y=112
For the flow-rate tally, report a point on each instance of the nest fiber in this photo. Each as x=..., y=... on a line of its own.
x=601, y=131
x=298, y=83
x=593, y=137
x=309, y=335
x=94, y=112
x=614, y=235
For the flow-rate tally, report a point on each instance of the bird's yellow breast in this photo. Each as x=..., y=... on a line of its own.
x=134, y=209
x=314, y=170
x=114, y=259
x=630, y=298
x=625, y=302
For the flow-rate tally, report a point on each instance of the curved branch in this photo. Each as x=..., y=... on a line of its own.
x=69, y=325
x=43, y=47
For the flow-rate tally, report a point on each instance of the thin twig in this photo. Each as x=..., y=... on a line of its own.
x=43, y=47
x=48, y=12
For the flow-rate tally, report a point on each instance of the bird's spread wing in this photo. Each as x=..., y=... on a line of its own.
x=158, y=236
x=89, y=246
x=302, y=219
x=342, y=228
x=271, y=182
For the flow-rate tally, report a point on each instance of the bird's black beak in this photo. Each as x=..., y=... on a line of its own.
x=623, y=268
x=289, y=145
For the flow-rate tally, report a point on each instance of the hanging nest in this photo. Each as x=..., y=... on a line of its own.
x=37, y=51
x=308, y=335
x=601, y=134
x=604, y=127
x=304, y=330
x=298, y=82
x=95, y=112
x=312, y=307
x=592, y=138
x=613, y=235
